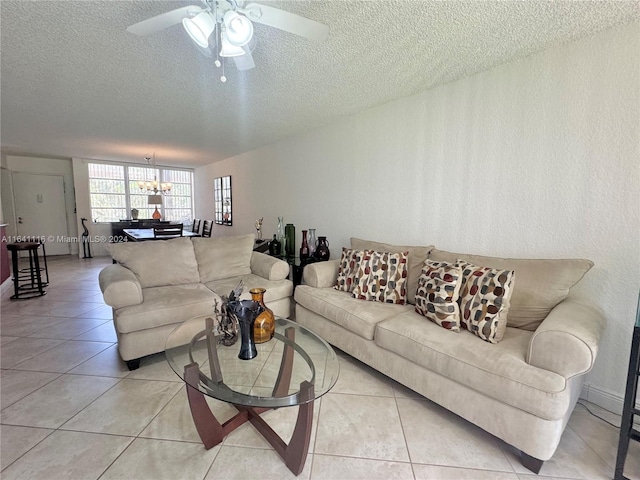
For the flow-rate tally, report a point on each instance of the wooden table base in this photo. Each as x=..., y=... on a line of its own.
x=212, y=432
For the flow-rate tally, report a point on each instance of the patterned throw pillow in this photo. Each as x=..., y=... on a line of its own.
x=438, y=292
x=484, y=300
x=381, y=277
x=347, y=269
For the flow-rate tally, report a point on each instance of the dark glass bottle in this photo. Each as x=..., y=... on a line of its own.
x=275, y=247
x=322, y=252
x=290, y=234
x=304, y=248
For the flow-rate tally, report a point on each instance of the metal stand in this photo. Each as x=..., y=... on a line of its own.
x=86, y=244
x=627, y=432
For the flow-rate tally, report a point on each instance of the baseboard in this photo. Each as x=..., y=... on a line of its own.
x=6, y=285
x=607, y=400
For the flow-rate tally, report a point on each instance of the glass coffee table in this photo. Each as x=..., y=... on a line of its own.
x=294, y=368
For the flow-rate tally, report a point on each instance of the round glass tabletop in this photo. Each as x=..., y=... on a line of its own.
x=296, y=357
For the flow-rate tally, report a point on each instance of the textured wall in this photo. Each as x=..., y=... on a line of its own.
x=536, y=158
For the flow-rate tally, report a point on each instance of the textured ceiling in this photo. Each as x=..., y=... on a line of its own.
x=75, y=83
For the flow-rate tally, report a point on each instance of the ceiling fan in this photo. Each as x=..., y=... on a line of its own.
x=224, y=28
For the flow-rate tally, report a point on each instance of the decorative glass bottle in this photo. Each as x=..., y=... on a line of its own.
x=275, y=247
x=304, y=248
x=265, y=325
x=280, y=235
x=312, y=241
x=322, y=252
x=290, y=234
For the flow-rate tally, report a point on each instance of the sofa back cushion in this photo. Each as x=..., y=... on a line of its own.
x=223, y=257
x=158, y=263
x=415, y=260
x=539, y=286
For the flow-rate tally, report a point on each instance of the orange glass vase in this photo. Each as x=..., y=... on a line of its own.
x=265, y=325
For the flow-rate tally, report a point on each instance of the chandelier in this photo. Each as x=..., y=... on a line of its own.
x=154, y=186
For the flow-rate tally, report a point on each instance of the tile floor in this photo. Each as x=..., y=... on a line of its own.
x=70, y=409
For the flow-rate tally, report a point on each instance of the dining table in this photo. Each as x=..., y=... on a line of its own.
x=144, y=234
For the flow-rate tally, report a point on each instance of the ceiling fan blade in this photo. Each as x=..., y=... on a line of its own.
x=164, y=20
x=287, y=21
x=244, y=62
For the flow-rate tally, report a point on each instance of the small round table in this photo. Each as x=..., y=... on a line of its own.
x=294, y=368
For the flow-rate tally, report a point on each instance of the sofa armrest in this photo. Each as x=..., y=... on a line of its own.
x=321, y=274
x=269, y=267
x=566, y=342
x=120, y=286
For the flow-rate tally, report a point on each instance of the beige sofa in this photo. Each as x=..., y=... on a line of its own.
x=159, y=284
x=522, y=389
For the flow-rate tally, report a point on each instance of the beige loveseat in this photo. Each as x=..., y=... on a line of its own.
x=157, y=285
x=522, y=389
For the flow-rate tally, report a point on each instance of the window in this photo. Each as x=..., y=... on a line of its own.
x=114, y=191
x=107, y=192
x=177, y=204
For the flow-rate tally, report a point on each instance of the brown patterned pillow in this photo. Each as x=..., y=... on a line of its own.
x=347, y=269
x=438, y=292
x=381, y=277
x=484, y=300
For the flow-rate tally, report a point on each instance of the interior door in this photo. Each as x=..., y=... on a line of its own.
x=40, y=209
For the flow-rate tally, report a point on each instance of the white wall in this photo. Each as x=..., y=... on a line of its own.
x=54, y=166
x=536, y=158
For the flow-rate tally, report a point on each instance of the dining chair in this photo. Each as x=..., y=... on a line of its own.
x=196, y=225
x=206, y=228
x=167, y=231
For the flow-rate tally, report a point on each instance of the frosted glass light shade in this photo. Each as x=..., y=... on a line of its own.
x=200, y=28
x=229, y=50
x=239, y=28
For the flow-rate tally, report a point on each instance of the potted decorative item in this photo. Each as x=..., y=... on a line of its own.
x=234, y=313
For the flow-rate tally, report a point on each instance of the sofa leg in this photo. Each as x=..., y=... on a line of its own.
x=133, y=364
x=531, y=463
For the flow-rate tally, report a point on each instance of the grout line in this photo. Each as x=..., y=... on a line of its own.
x=404, y=436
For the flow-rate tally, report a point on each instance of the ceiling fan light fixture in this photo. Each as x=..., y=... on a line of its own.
x=228, y=49
x=239, y=28
x=200, y=28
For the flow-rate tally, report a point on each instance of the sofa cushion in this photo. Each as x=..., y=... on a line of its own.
x=158, y=263
x=381, y=277
x=499, y=372
x=484, y=300
x=347, y=270
x=223, y=257
x=417, y=256
x=341, y=308
x=275, y=289
x=437, y=295
x=540, y=285
x=165, y=306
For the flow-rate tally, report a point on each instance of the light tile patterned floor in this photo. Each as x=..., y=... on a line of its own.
x=70, y=409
